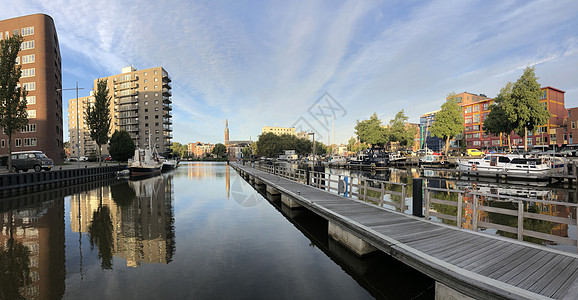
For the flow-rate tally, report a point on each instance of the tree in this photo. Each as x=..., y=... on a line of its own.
x=525, y=111
x=98, y=117
x=371, y=132
x=179, y=150
x=13, y=115
x=497, y=120
x=269, y=145
x=399, y=131
x=448, y=121
x=121, y=146
x=219, y=150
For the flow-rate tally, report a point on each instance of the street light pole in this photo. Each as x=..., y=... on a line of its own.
x=77, y=125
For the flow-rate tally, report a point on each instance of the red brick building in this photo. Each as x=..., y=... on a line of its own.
x=39, y=58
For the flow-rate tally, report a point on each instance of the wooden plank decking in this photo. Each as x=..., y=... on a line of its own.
x=476, y=264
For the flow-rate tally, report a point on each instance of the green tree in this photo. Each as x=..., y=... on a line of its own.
x=525, y=111
x=497, y=120
x=399, y=131
x=246, y=152
x=269, y=145
x=219, y=150
x=370, y=131
x=448, y=121
x=98, y=117
x=13, y=115
x=179, y=150
x=121, y=146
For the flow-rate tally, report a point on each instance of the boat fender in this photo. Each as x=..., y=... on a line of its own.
x=474, y=167
x=442, y=162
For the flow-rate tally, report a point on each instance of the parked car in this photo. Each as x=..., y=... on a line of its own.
x=474, y=152
x=83, y=158
x=108, y=158
x=35, y=160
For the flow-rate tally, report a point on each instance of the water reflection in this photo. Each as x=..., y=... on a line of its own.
x=133, y=220
x=32, y=257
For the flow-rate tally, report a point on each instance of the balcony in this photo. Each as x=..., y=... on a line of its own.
x=167, y=121
x=127, y=107
x=132, y=121
x=129, y=128
x=166, y=77
x=126, y=93
x=167, y=100
x=129, y=114
x=167, y=85
x=168, y=107
x=167, y=92
x=128, y=100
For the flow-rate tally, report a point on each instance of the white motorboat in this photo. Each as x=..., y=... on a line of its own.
x=513, y=165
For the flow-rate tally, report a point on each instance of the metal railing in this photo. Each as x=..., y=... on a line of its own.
x=378, y=192
x=511, y=216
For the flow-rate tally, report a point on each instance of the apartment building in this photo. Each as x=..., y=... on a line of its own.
x=83, y=146
x=285, y=130
x=39, y=58
x=140, y=104
x=476, y=112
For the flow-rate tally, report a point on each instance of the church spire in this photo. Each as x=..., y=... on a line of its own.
x=226, y=132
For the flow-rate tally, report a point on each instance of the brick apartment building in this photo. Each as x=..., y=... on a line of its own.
x=39, y=58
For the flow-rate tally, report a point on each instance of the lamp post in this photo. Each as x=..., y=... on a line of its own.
x=77, y=125
x=313, y=134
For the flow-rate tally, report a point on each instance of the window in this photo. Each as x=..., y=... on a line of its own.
x=28, y=128
x=28, y=31
x=156, y=139
x=156, y=72
x=477, y=119
x=544, y=94
x=146, y=124
x=468, y=120
x=146, y=103
x=156, y=123
x=156, y=79
x=476, y=127
x=146, y=132
x=156, y=131
x=28, y=72
x=476, y=143
x=156, y=101
x=573, y=124
x=156, y=116
x=146, y=117
x=146, y=110
x=31, y=114
x=18, y=142
x=3, y=142
x=27, y=45
x=468, y=109
x=156, y=87
x=485, y=106
x=29, y=86
x=156, y=109
x=27, y=59
x=146, y=80
x=476, y=107
x=29, y=142
x=146, y=88
x=0, y=35
x=16, y=32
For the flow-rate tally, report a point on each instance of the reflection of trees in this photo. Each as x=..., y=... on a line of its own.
x=122, y=194
x=14, y=269
x=100, y=231
x=445, y=209
x=512, y=221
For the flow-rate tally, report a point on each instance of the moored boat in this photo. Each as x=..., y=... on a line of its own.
x=513, y=165
x=170, y=164
x=144, y=163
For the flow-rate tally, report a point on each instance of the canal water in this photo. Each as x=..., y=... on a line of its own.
x=199, y=232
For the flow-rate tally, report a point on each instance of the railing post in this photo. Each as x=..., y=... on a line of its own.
x=475, y=214
x=520, y=220
x=307, y=176
x=417, y=202
x=382, y=194
x=459, y=215
x=403, y=198
x=365, y=190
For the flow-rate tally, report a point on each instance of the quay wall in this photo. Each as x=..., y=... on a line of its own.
x=19, y=183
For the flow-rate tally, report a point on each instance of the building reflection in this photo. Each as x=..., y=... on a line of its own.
x=40, y=229
x=141, y=215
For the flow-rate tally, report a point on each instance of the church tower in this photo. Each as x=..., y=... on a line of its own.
x=226, y=132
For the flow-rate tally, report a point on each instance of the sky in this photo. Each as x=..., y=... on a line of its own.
x=318, y=65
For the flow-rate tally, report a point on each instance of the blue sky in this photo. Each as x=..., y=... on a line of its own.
x=261, y=63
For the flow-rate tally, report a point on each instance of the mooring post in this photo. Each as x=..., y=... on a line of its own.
x=417, y=203
x=307, y=175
